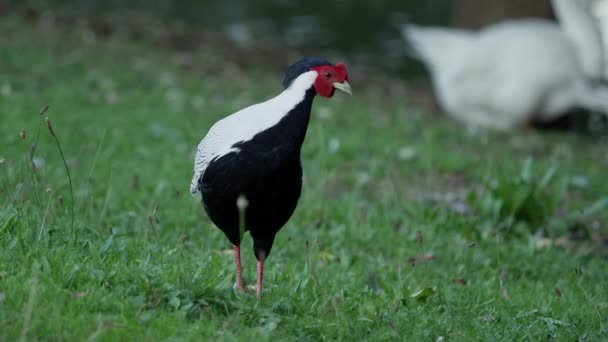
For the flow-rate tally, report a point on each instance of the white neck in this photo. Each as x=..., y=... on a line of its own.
x=297, y=89
x=244, y=124
x=578, y=24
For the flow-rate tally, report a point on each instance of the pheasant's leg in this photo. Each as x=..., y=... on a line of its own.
x=240, y=284
x=258, y=286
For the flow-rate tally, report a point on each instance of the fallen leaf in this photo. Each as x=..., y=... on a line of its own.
x=6, y=90
x=579, y=182
x=543, y=243
x=563, y=242
x=334, y=145
x=460, y=282
x=79, y=294
x=373, y=283
x=421, y=258
x=550, y=320
x=527, y=313
x=558, y=292
x=423, y=293
x=397, y=224
x=106, y=245
x=407, y=153
x=326, y=256
x=174, y=302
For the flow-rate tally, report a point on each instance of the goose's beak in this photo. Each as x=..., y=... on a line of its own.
x=344, y=86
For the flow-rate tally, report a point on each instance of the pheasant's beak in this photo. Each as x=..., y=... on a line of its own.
x=344, y=86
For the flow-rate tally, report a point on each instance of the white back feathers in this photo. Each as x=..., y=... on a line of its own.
x=246, y=123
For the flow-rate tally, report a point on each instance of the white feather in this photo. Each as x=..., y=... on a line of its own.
x=601, y=14
x=246, y=123
x=580, y=26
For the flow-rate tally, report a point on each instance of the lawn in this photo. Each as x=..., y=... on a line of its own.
x=410, y=227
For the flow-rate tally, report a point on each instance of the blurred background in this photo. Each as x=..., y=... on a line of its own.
x=360, y=28
x=274, y=32
x=365, y=31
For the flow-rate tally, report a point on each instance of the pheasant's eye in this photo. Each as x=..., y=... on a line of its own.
x=327, y=74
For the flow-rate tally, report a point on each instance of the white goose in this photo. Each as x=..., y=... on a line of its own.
x=600, y=9
x=515, y=72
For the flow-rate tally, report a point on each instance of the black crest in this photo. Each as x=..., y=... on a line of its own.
x=301, y=67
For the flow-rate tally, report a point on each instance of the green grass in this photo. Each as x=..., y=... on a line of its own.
x=502, y=233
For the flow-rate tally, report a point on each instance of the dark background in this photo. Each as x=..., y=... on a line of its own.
x=364, y=30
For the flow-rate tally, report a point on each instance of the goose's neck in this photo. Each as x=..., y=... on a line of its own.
x=581, y=28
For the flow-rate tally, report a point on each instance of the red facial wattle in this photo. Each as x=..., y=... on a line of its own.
x=328, y=75
x=341, y=74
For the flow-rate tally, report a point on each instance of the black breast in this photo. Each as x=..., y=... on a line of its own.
x=267, y=170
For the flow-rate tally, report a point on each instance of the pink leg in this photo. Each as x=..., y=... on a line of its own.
x=240, y=284
x=258, y=286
